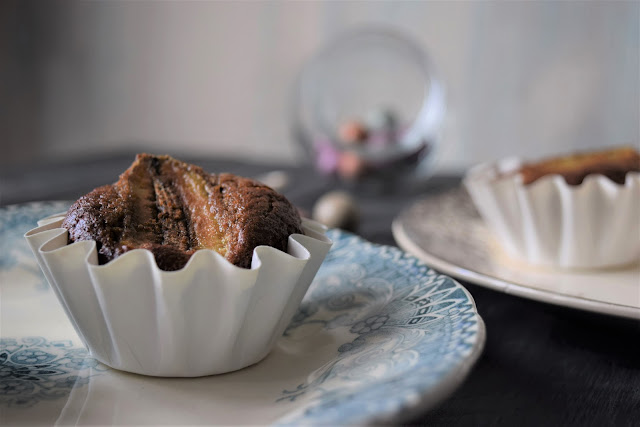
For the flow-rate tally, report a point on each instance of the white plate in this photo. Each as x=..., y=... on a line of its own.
x=379, y=337
x=447, y=233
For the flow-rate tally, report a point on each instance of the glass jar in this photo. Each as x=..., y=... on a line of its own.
x=368, y=107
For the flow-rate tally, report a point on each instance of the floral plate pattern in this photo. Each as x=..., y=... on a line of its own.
x=379, y=337
x=34, y=369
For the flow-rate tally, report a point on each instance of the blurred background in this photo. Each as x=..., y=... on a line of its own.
x=216, y=78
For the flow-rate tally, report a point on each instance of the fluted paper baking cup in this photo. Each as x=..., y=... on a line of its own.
x=551, y=223
x=208, y=318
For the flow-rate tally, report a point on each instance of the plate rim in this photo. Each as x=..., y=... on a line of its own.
x=449, y=383
x=452, y=381
x=501, y=285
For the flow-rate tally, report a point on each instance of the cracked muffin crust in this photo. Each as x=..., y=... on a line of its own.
x=173, y=209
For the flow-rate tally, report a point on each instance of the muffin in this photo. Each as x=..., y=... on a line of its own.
x=574, y=211
x=173, y=209
x=175, y=272
x=614, y=164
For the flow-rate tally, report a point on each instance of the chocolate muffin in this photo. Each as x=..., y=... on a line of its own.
x=614, y=164
x=173, y=209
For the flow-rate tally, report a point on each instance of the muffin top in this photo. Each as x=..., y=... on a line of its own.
x=614, y=164
x=173, y=209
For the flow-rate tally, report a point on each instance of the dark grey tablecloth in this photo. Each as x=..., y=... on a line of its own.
x=542, y=365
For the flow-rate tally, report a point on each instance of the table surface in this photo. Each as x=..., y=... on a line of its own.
x=542, y=364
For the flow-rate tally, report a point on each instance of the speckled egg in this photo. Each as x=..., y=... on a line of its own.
x=337, y=209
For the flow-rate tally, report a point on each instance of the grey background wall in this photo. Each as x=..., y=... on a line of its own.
x=527, y=78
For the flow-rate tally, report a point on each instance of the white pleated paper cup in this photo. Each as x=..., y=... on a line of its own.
x=210, y=317
x=550, y=223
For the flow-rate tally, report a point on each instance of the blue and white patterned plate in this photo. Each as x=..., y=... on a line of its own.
x=380, y=337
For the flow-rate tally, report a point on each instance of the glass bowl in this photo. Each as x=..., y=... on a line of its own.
x=368, y=107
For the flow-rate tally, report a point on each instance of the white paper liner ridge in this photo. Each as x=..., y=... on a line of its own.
x=592, y=225
x=209, y=317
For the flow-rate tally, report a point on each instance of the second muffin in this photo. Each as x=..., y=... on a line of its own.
x=578, y=211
